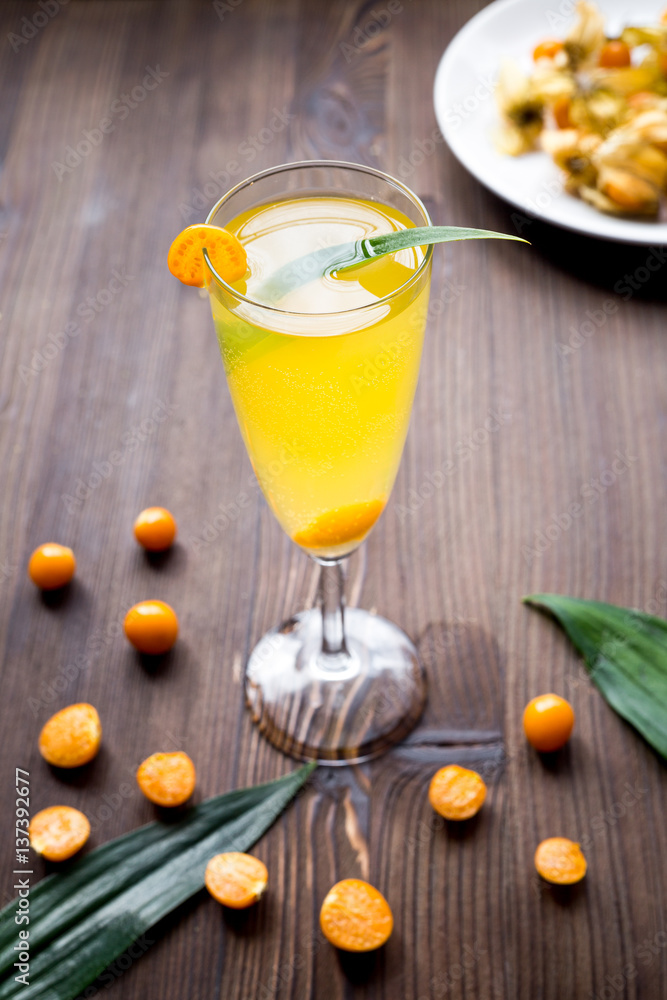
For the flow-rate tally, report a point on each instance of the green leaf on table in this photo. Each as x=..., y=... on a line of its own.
x=343, y=256
x=83, y=918
x=625, y=653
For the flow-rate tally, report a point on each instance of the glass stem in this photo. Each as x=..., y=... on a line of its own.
x=332, y=602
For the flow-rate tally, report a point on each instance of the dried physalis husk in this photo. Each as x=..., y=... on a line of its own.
x=573, y=151
x=586, y=37
x=522, y=113
x=626, y=150
x=651, y=127
x=626, y=193
x=626, y=80
x=549, y=85
x=598, y=111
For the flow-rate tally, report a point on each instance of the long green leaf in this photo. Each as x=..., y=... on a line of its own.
x=625, y=653
x=343, y=256
x=84, y=918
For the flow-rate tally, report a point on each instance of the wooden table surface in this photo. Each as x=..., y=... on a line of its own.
x=104, y=353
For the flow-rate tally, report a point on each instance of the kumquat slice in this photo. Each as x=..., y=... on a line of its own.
x=186, y=256
x=236, y=880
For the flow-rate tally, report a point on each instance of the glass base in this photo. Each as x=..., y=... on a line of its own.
x=335, y=708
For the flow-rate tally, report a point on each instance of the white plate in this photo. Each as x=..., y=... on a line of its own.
x=466, y=110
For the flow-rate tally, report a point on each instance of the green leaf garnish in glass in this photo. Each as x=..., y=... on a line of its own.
x=625, y=653
x=83, y=918
x=344, y=256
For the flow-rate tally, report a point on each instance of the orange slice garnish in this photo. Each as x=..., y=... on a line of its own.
x=186, y=257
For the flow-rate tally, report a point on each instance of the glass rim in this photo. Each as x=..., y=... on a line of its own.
x=342, y=164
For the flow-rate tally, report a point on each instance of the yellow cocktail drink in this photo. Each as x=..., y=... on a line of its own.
x=322, y=368
x=323, y=393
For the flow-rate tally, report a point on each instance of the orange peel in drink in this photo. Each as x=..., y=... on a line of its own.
x=236, y=880
x=72, y=736
x=340, y=526
x=355, y=916
x=560, y=861
x=456, y=792
x=58, y=832
x=186, y=255
x=167, y=779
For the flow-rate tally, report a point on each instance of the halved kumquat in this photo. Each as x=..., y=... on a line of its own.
x=355, y=916
x=167, y=779
x=58, y=832
x=72, y=736
x=236, y=880
x=456, y=792
x=560, y=861
x=186, y=255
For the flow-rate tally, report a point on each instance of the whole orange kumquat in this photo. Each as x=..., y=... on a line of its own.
x=155, y=529
x=51, y=566
x=547, y=722
x=151, y=627
x=547, y=49
x=614, y=55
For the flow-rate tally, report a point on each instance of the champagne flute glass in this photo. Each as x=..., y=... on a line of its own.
x=322, y=381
